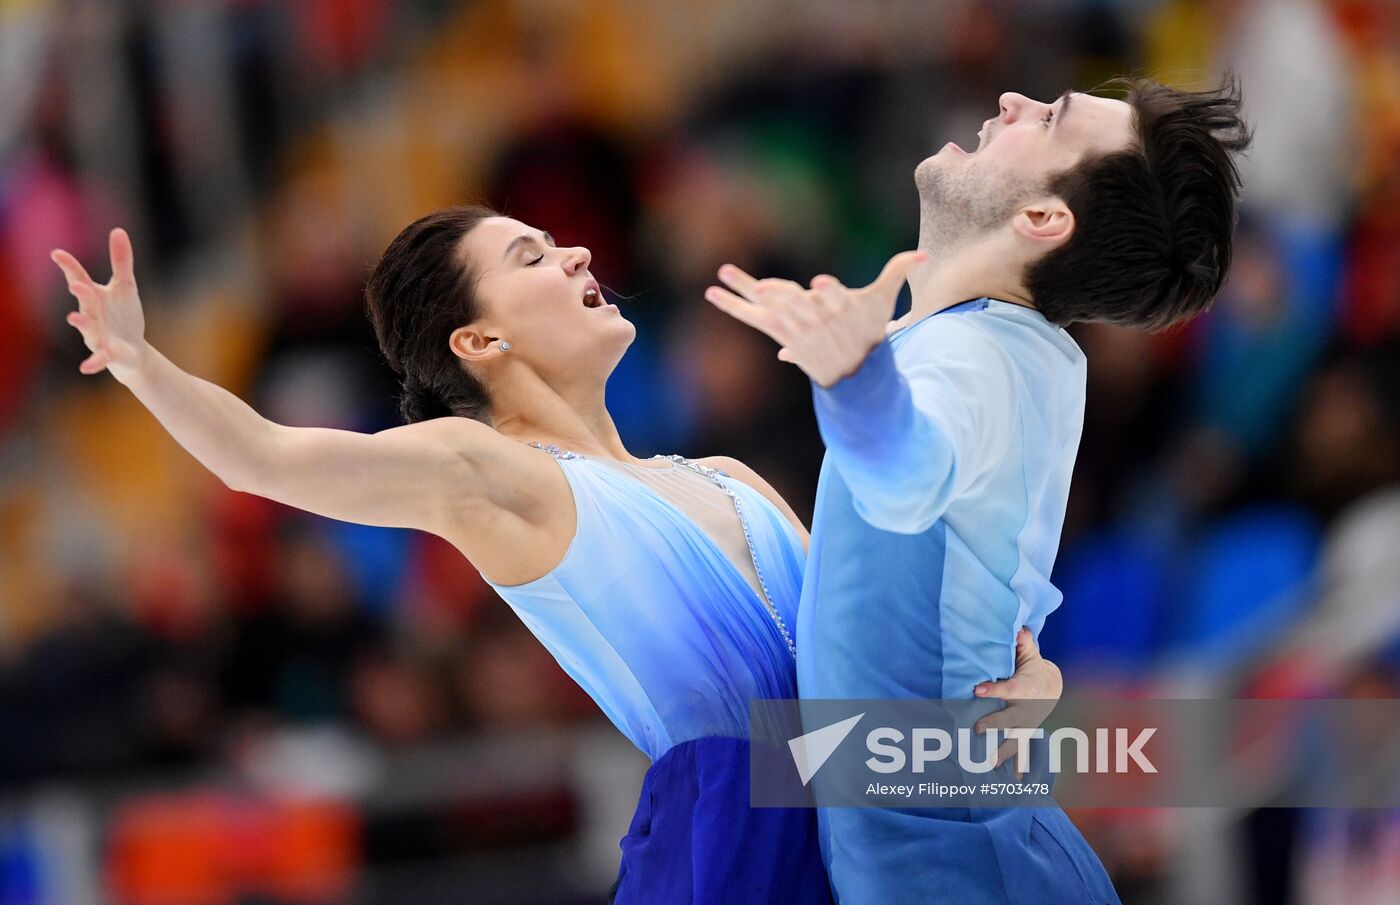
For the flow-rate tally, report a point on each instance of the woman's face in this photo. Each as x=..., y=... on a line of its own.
x=542, y=300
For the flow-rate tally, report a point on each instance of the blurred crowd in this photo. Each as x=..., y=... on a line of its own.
x=1235, y=514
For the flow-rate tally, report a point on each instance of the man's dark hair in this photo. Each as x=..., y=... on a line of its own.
x=1153, y=222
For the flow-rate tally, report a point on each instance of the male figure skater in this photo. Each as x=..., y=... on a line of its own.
x=951, y=436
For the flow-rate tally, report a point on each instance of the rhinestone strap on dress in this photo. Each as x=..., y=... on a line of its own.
x=714, y=474
x=553, y=450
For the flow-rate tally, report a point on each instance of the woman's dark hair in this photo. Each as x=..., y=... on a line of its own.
x=420, y=291
x=1154, y=222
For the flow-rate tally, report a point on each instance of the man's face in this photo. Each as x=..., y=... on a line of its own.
x=1017, y=152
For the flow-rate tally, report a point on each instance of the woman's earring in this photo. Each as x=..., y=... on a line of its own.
x=505, y=346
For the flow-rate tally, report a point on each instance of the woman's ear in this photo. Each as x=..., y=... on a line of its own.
x=471, y=343
x=1048, y=220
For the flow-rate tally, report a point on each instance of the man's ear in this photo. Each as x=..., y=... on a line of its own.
x=473, y=343
x=1047, y=220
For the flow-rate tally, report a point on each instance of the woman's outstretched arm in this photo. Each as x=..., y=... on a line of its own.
x=414, y=476
x=451, y=476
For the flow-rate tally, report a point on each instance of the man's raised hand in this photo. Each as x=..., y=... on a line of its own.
x=826, y=330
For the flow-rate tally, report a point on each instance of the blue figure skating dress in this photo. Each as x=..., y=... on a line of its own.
x=673, y=607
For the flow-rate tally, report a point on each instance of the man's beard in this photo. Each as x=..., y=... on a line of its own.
x=959, y=203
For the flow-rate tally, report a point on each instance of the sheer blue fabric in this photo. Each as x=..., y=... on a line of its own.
x=672, y=640
x=653, y=621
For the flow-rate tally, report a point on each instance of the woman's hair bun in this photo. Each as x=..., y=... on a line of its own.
x=421, y=403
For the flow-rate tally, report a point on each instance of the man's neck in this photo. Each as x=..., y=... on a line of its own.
x=949, y=279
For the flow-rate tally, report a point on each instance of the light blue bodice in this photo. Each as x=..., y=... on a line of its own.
x=653, y=620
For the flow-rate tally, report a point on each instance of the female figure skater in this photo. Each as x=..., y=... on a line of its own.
x=666, y=587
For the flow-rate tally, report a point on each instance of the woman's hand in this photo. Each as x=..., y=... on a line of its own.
x=1035, y=678
x=109, y=314
x=1030, y=693
x=504, y=505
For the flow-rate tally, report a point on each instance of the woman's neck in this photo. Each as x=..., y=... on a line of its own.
x=575, y=420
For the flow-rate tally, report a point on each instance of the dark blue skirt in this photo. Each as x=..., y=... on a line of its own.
x=695, y=841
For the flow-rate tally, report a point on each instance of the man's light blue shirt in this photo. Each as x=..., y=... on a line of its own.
x=938, y=516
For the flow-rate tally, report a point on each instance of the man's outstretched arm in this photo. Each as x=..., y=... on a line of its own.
x=907, y=441
x=910, y=441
